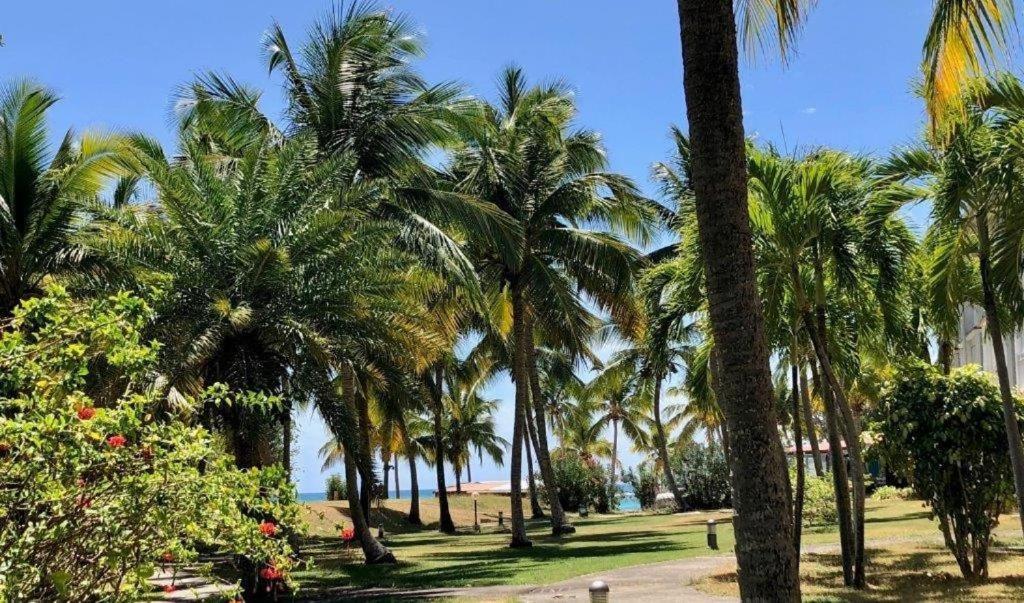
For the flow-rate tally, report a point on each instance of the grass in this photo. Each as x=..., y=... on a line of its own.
x=907, y=562
x=430, y=559
x=909, y=548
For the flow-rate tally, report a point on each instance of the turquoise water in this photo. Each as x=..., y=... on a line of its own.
x=628, y=503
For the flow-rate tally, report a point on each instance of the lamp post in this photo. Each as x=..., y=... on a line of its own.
x=712, y=534
x=476, y=517
x=599, y=592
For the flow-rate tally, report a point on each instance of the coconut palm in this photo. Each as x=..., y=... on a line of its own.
x=44, y=194
x=523, y=156
x=620, y=401
x=470, y=428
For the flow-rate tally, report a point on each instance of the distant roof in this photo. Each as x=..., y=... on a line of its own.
x=822, y=447
x=501, y=486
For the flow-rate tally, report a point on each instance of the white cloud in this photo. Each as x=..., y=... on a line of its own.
x=809, y=111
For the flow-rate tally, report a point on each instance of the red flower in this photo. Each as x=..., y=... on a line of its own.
x=270, y=573
x=83, y=502
x=268, y=528
x=86, y=412
x=116, y=441
x=348, y=534
x=169, y=588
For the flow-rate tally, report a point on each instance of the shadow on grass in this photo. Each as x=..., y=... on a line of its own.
x=338, y=572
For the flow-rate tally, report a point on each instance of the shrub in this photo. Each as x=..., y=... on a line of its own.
x=702, y=476
x=335, y=487
x=893, y=493
x=945, y=434
x=582, y=481
x=645, y=485
x=819, y=501
x=99, y=486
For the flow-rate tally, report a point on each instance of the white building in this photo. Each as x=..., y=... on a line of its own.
x=976, y=346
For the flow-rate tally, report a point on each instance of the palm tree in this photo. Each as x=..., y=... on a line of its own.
x=44, y=195
x=471, y=426
x=969, y=172
x=963, y=34
x=620, y=401
x=522, y=156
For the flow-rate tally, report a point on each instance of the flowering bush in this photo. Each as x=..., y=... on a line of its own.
x=98, y=486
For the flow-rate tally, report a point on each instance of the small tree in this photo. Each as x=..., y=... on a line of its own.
x=100, y=483
x=702, y=475
x=945, y=434
x=644, y=483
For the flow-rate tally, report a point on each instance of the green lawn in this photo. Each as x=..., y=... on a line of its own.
x=429, y=559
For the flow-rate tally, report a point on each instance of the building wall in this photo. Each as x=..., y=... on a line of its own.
x=975, y=346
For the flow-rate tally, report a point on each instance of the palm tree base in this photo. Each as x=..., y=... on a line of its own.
x=387, y=557
x=565, y=528
x=414, y=521
x=538, y=515
x=520, y=544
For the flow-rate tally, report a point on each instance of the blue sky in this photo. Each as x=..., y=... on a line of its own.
x=117, y=63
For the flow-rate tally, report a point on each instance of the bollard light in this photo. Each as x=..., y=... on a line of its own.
x=501, y=518
x=380, y=530
x=712, y=534
x=584, y=512
x=599, y=592
x=476, y=517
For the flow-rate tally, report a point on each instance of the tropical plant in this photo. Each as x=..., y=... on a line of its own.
x=471, y=426
x=620, y=403
x=645, y=485
x=943, y=432
x=44, y=195
x=335, y=486
x=523, y=156
x=99, y=492
x=703, y=476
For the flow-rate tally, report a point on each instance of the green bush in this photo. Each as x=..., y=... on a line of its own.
x=98, y=485
x=644, y=483
x=336, y=488
x=893, y=493
x=945, y=434
x=582, y=481
x=819, y=501
x=702, y=476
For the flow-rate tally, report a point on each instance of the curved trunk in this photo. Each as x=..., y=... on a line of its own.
x=663, y=447
x=763, y=523
x=535, y=511
x=995, y=331
x=559, y=525
x=798, y=496
x=414, y=494
x=365, y=470
x=840, y=481
x=812, y=434
x=373, y=550
x=445, y=524
x=521, y=376
x=615, y=450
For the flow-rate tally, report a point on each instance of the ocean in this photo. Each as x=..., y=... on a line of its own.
x=628, y=502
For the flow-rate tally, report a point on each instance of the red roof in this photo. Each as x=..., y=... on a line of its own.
x=822, y=447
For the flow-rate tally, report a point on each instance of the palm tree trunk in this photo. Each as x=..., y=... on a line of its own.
x=812, y=434
x=445, y=524
x=469, y=472
x=995, y=332
x=798, y=496
x=839, y=475
x=663, y=447
x=535, y=511
x=373, y=551
x=521, y=376
x=386, y=461
x=394, y=462
x=945, y=358
x=559, y=525
x=414, y=494
x=763, y=524
x=286, y=439
x=365, y=470
x=615, y=451
x=458, y=478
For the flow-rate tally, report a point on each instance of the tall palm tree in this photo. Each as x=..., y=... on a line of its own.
x=620, y=401
x=523, y=156
x=44, y=194
x=471, y=426
x=963, y=33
